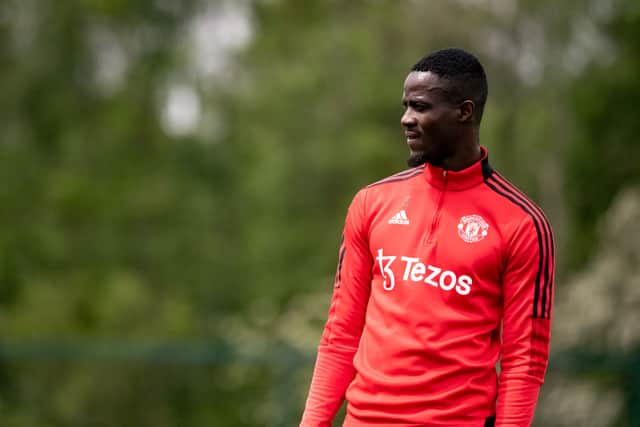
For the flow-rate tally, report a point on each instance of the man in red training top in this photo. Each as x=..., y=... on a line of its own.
x=443, y=270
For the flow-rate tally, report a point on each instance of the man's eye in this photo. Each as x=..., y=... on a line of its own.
x=417, y=106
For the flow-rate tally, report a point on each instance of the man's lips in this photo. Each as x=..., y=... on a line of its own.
x=411, y=134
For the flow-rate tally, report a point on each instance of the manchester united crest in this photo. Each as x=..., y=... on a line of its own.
x=472, y=228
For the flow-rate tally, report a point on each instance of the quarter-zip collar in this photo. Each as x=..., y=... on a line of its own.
x=462, y=179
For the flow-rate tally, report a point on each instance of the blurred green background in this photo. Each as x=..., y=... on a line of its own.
x=175, y=175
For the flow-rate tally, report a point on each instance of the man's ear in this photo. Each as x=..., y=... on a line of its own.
x=465, y=111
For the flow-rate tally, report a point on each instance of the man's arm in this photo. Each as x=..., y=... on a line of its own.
x=527, y=291
x=334, y=364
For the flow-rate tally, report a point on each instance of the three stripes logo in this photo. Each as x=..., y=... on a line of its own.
x=400, y=218
x=544, y=282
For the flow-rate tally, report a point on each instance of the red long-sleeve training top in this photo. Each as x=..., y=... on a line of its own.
x=440, y=274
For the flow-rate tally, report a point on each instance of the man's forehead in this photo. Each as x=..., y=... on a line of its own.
x=424, y=81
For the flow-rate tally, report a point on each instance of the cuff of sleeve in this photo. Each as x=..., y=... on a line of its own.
x=517, y=399
x=332, y=375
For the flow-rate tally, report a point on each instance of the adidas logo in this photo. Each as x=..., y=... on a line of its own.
x=399, y=218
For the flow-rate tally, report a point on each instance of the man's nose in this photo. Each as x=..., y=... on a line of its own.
x=408, y=119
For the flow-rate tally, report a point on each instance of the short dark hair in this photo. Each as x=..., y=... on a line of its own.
x=464, y=72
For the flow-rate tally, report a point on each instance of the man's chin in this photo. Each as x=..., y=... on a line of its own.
x=417, y=159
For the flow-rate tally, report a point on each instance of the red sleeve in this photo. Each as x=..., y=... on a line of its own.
x=527, y=292
x=334, y=364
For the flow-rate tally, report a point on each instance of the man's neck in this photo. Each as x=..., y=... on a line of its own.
x=465, y=156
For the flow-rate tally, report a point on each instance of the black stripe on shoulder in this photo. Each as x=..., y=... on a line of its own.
x=533, y=206
x=400, y=176
x=522, y=195
x=500, y=188
x=549, y=244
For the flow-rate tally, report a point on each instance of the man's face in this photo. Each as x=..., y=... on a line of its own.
x=430, y=121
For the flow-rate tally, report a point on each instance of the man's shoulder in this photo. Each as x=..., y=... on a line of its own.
x=516, y=202
x=398, y=177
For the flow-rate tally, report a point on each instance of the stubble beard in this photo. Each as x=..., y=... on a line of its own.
x=420, y=158
x=417, y=159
